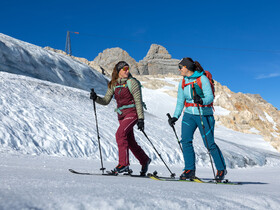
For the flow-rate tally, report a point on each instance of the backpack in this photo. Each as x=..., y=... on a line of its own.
x=199, y=89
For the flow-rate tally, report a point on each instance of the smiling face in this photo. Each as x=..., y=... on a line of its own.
x=124, y=72
x=184, y=71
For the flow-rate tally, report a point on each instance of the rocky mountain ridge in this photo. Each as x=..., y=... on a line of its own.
x=157, y=61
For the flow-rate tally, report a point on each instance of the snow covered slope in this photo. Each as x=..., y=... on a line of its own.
x=22, y=58
x=43, y=182
x=40, y=117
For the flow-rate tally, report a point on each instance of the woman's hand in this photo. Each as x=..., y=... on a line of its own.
x=93, y=95
x=172, y=121
x=140, y=124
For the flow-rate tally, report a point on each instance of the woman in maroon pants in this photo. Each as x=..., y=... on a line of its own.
x=127, y=92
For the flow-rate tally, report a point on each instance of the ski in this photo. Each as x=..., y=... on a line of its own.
x=196, y=179
x=108, y=173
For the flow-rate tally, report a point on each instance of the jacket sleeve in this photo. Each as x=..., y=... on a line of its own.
x=107, y=98
x=136, y=93
x=180, y=101
x=207, y=91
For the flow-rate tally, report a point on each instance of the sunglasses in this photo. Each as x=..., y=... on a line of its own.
x=126, y=68
x=180, y=66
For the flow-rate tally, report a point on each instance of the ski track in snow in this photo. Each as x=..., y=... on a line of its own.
x=43, y=182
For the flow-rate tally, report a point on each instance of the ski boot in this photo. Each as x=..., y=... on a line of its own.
x=220, y=175
x=119, y=169
x=145, y=167
x=187, y=174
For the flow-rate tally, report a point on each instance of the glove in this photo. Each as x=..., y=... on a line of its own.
x=140, y=124
x=198, y=100
x=172, y=121
x=93, y=95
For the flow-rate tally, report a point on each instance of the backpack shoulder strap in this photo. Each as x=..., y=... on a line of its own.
x=198, y=81
x=184, y=83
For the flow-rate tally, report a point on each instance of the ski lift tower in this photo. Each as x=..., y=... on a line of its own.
x=68, y=43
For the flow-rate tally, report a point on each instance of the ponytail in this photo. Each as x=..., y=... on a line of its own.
x=115, y=76
x=198, y=67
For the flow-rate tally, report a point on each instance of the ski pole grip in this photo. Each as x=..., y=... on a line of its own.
x=168, y=115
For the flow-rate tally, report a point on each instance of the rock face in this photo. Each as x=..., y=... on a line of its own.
x=158, y=61
x=249, y=113
x=110, y=57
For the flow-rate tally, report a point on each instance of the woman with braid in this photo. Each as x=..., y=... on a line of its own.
x=127, y=92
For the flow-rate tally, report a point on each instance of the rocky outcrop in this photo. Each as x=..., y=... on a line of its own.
x=249, y=113
x=110, y=57
x=158, y=61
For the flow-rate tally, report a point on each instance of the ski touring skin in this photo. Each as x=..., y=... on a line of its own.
x=155, y=177
x=108, y=173
x=196, y=179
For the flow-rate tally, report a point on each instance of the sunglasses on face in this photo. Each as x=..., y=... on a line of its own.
x=126, y=68
x=180, y=66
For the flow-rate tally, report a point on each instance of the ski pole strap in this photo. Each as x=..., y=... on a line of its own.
x=118, y=110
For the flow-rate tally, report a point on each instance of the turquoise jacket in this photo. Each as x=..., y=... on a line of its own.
x=187, y=95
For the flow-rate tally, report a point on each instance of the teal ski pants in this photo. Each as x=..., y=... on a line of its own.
x=189, y=124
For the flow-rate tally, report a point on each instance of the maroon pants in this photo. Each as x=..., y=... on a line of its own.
x=125, y=140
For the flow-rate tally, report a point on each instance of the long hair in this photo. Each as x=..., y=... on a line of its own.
x=115, y=76
x=197, y=66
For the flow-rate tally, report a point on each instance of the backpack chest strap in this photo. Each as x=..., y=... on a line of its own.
x=190, y=83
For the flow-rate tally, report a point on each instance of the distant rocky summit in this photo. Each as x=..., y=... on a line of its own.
x=158, y=61
x=110, y=57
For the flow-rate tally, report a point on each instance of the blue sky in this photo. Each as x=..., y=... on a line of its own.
x=238, y=41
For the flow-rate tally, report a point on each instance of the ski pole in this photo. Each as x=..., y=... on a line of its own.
x=172, y=174
x=98, y=137
x=169, y=117
x=203, y=128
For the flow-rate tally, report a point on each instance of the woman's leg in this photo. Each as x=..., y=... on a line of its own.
x=126, y=126
x=137, y=151
x=209, y=124
x=188, y=128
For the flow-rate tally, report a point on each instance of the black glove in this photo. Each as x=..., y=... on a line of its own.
x=140, y=124
x=172, y=121
x=198, y=100
x=93, y=95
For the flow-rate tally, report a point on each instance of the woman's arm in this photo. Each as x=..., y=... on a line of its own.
x=136, y=93
x=180, y=101
x=207, y=91
x=107, y=98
